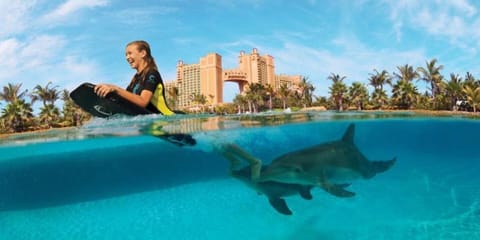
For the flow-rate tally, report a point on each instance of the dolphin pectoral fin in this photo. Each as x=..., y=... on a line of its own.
x=337, y=190
x=305, y=192
x=280, y=205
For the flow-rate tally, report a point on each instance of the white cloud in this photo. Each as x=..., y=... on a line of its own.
x=441, y=23
x=75, y=70
x=70, y=7
x=34, y=53
x=454, y=20
x=318, y=64
x=33, y=56
x=8, y=48
x=141, y=15
x=42, y=59
x=41, y=51
x=15, y=16
x=350, y=57
x=463, y=6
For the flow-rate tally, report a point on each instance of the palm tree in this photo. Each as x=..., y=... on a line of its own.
x=358, y=94
x=11, y=93
x=321, y=101
x=337, y=90
x=431, y=75
x=71, y=112
x=453, y=90
x=240, y=100
x=471, y=81
x=255, y=94
x=18, y=115
x=473, y=96
x=173, y=94
x=404, y=94
x=49, y=113
x=406, y=73
x=270, y=93
x=211, y=103
x=284, y=92
x=47, y=94
x=199, y=99
x=336, y=78
x=379, y=98
x=306, y=92
x=378, y=79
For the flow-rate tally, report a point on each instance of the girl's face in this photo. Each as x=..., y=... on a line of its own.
x=135, y=58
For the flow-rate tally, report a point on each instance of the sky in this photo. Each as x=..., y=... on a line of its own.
x=68, y=42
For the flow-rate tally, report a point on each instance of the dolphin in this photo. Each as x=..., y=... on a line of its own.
x=328, y=165
x=274, y=191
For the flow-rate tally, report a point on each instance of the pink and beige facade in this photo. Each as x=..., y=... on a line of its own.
x=207, y=77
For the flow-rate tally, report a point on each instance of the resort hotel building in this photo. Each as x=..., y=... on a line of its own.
x=207, y=77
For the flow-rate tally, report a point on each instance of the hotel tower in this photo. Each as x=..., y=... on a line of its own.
x=207, y=77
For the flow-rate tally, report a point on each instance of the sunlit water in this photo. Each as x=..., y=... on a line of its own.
x=112, y=179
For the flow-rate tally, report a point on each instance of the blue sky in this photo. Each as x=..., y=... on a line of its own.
x=69, y=42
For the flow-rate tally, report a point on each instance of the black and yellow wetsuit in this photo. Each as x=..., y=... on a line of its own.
x=151, y=81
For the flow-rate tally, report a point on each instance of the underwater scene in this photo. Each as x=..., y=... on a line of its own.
x=312, y=175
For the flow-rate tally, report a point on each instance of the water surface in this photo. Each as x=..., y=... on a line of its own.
x=114, y=179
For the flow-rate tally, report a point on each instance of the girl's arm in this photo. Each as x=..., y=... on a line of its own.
x=141, y=100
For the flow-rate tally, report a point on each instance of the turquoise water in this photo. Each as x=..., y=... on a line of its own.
x=111, y=179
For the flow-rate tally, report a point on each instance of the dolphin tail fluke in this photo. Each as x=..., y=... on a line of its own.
x=280, y=205
x=382, y=166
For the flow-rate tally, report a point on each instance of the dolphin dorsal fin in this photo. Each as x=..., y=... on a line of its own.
x=349, y=134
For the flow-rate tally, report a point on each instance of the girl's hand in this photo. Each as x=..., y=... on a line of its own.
x=103, y=90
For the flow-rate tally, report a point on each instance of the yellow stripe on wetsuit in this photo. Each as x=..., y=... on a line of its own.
x=158, y=100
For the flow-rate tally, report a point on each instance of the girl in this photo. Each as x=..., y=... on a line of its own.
x=146, y=88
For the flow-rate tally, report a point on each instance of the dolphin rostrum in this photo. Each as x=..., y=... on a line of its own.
x=329, y=165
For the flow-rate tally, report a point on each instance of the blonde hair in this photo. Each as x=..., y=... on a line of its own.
x=151, y=65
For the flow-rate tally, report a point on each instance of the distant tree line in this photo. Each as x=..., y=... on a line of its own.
x=455, y=93
x=17, y=114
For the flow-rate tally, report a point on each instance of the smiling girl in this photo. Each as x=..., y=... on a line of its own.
x=146, y=87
